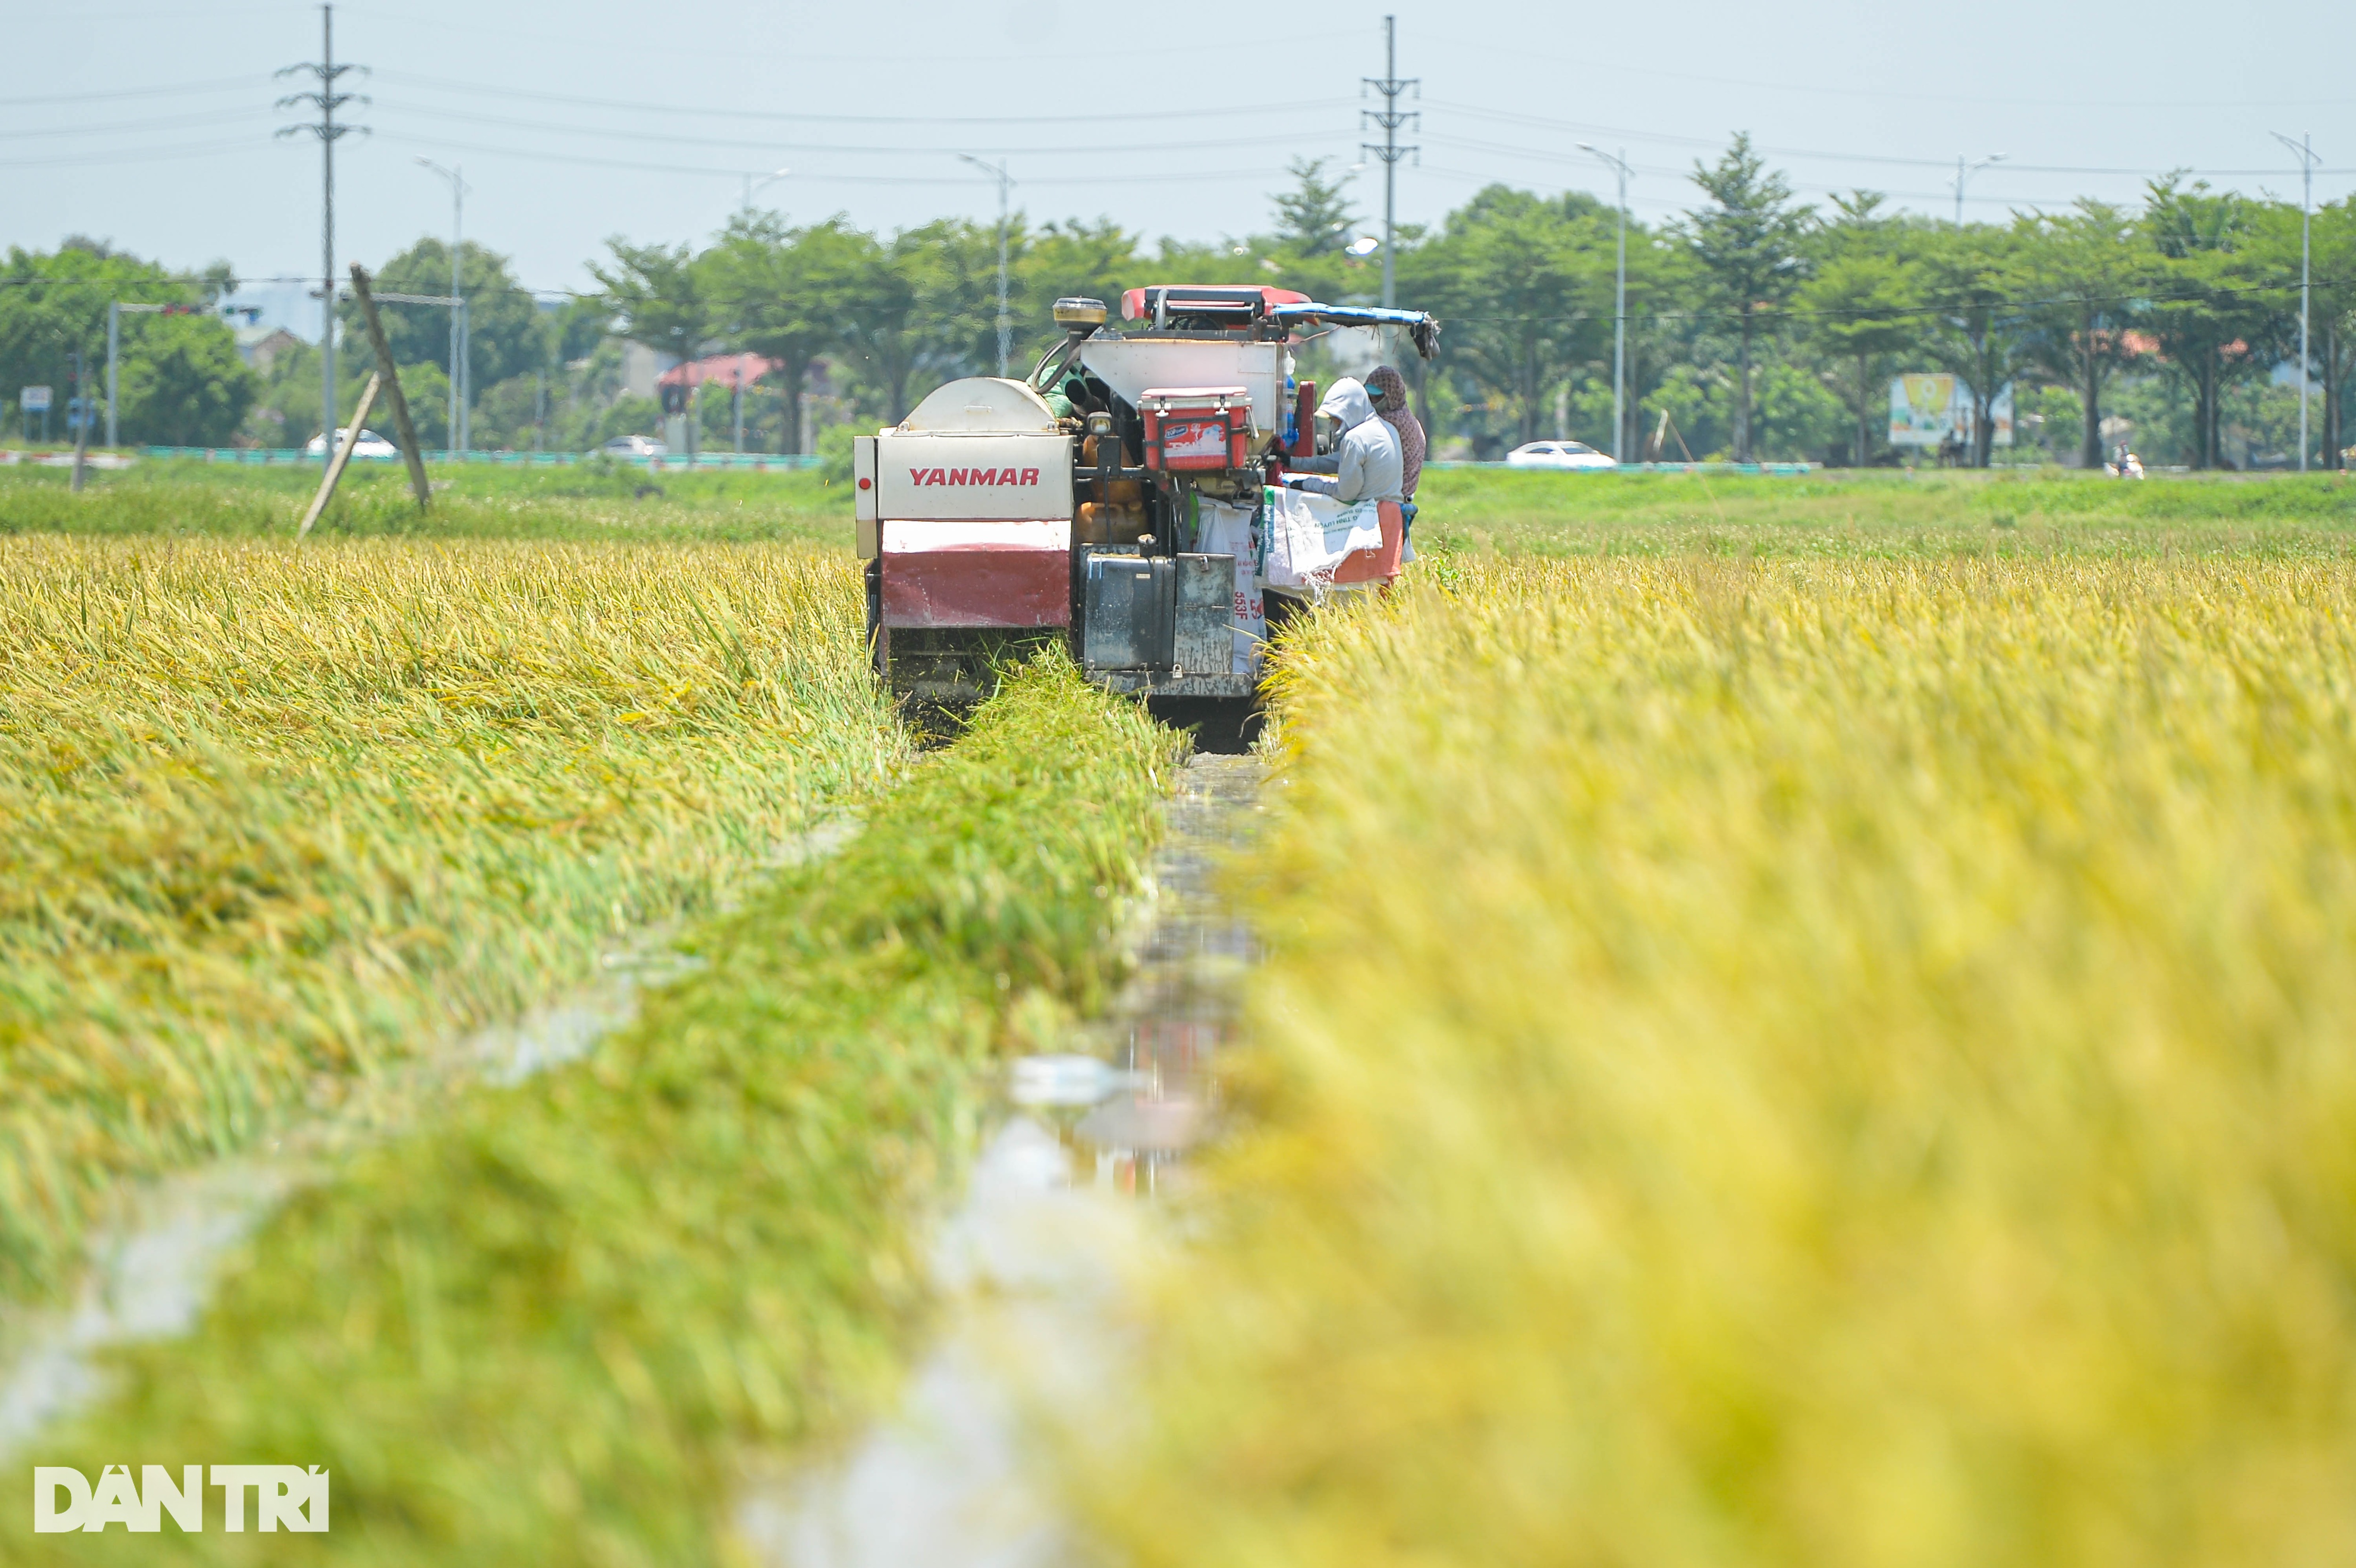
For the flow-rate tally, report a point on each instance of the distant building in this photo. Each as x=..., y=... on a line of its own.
x=642, y=369
x=719, y=370
x=727, y=372
x=258, y=346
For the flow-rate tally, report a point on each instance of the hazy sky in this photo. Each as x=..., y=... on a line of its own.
x=151, y=126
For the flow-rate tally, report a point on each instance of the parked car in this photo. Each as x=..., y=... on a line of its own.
x=370, y=445
x=1558, y=454
x=634, y=446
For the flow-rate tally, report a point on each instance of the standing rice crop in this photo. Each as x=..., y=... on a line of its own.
x=277, y=823
x=1818, y=1063
x=562, y=1324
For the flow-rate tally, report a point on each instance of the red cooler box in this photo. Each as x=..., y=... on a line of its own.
x=1196, y=427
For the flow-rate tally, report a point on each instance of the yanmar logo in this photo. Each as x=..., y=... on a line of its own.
x=973, y=477
x=284, y=1496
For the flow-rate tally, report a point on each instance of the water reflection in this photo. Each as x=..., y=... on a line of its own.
x=1149, y=1092
x=1031, y=1267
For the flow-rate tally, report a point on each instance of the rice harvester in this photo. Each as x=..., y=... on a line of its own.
x=1110, y=498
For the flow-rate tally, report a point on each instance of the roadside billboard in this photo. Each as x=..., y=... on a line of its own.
x=1929, y=408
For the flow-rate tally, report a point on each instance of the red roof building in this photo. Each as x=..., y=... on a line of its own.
x=719, y=369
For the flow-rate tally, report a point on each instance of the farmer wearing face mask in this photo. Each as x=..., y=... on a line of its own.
x=1388, y=388
x=1367, y=462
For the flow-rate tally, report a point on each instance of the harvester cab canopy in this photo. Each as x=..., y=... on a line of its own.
x=1194, y=309
x=1420, y=327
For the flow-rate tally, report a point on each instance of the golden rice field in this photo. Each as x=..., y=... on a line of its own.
x=1810, y=1063
x=280, y=823
x=568, y=1319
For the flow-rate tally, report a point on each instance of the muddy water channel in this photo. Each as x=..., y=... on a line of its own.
x=1031, y=1264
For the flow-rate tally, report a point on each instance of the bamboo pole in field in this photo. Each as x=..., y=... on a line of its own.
x=343, y=455
x=391, y=374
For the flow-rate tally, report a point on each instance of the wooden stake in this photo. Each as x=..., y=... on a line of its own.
x=343, y=455
x=391, y=374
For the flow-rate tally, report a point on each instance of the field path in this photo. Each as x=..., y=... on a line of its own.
x=1030, y=1263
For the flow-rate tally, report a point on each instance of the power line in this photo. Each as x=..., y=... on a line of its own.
x=1469, y=144
x=1255, y=110
x=471, y=24
x=125, y=127
x=225, y=84
x=135, y=154
x=1909, y=95
x=593, y=161
x=689, y=140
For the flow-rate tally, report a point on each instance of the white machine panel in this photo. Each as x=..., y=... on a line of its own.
x=863, y=493
x=977, y=476
x=862, y=475
x=1133, y=366
x=981, y=405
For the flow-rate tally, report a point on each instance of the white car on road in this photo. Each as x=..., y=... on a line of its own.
x=1558, y=454
x=634, y=446
x=370, y=445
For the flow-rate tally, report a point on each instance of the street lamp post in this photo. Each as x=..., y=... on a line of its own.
x=1619, y=307
x=1963, y=175
x=1005, y=327
x=754, y=184
x=114, y=311
x=2305, y=149
x=78, y=413
x=459, y=400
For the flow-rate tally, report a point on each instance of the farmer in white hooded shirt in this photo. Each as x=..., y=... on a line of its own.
x=1366, y=463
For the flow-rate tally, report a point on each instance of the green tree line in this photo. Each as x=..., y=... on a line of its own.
x=1759, y=326
x=180, y=381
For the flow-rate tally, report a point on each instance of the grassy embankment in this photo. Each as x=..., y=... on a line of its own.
x=278, y=823
x=1881, y=512
x=1840, y=1063
x=555, y=1329
x=472, y=501
x=1465, y=511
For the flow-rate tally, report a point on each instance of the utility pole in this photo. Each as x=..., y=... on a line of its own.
x=461, y=398
x=1391, y=118
x=1619, y=308
x=1005, y=324
x=326, y=100
x=2305, y=148
x=1962, y=178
